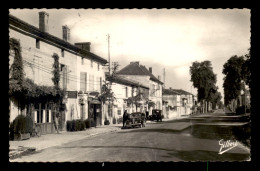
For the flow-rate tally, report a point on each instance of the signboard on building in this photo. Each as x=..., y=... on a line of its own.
x=72, y=94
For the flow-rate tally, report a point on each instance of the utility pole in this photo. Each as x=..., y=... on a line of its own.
x=108, y=44
x=164, y=78
x=109, y=70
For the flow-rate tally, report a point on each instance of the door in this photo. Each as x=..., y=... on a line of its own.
x=97, y=114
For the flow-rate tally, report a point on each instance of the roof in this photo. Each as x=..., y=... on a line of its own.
x=21, y=26
x=135, y=69
x=126, y=81
x=175, y=92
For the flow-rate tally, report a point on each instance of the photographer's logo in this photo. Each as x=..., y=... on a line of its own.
x=226, y=145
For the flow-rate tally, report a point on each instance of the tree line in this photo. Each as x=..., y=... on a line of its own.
x=237, y=76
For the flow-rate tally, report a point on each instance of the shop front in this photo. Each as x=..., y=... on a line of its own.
x=94, y=111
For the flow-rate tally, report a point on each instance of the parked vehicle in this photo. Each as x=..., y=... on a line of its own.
x=156, y=115
x=136, y=119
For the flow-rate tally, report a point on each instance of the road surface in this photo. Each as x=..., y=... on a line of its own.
x=162, y=141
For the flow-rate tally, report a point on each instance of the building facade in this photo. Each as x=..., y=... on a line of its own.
x=140, y=73
x=177, y=102
x=130, y=95
x=80, y=71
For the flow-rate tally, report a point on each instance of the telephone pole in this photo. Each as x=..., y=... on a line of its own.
x=164, y=78
x=108, y=44
x=109, y=70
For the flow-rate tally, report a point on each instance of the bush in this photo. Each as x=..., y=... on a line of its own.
x=76, y=125
x=69, y=125
x=106, y=122
x=114, y=120
x=11, y=129
x=21, y=124
x=87, y=123
x=241, y=110
x=29, y=124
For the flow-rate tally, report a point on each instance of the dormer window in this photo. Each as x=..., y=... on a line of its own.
x=62, y=52
x=82, y=61
x=37, y=43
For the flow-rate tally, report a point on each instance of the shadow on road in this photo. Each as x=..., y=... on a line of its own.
x=155, y=130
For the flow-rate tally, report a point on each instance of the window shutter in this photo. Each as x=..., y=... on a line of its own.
x=82, y=81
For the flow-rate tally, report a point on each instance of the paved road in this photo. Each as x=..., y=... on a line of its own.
x=163, y=141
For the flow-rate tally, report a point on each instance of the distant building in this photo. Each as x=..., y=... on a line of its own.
x=141, y=74
x=177, y=102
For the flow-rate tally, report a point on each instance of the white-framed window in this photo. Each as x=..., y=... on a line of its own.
x=83, y=81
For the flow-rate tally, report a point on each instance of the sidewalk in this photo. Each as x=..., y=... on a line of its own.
x=18, y=148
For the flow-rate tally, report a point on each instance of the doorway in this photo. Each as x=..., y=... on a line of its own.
x=95, y=114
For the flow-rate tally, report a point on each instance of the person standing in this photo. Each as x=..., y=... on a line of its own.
x=124, y=118
x=146, y=113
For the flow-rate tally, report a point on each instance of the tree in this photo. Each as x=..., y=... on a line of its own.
x=204, y=79
x=235, y=70
x=106, y=91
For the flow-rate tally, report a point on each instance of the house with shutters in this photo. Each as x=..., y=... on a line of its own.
x=177, y=102
x=141, y=74
x=42, y=54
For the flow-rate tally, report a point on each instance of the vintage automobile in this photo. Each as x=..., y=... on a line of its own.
x=156, y=115
x=136, y=119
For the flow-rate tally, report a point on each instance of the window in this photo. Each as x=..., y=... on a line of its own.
x=62, y=52
x=63, y=69
x=37, y=43
x=98, y=67
x=91, y=82
x=83, y=81
x=91, y=64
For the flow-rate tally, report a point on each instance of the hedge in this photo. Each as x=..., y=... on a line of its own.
x=87, y=123
x=21, y=124
x=76, y=125
x=106, y=122
x=114, y=120
x=241, y=110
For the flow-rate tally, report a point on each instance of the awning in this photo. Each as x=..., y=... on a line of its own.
x=95, y=102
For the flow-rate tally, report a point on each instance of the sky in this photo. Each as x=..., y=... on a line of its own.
x=157, y=38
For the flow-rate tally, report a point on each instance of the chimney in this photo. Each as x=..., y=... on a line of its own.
x=151, y=69
x=83, y=45
x=66, y=33
x=137, y=62
x=43, y=21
